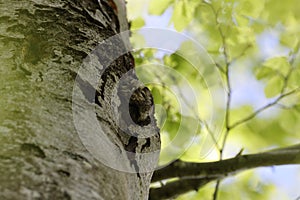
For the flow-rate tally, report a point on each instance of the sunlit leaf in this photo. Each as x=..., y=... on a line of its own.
x=158, y=7
x=157, y=96
x=135, y=8
x=273, y=87
x=250, y=8
x=160, y=115
x=290, y=40
x=278, y=12
x=263, y=72
x=294, y=81
x=183, y=13
x=240, y=40
x=137, y=23
x=280, y=64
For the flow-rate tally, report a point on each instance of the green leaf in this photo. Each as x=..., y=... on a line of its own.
x=294, y=80
x=135, y=9
x=160, y=115
x=277, y=12
x=290, y=40
x=137, y=23
x=240, y=39
x=273, y=87
x=279, y=64
x=158, y=7
x=240, y=35
x=178, y=17
x=183, y=13
x=251, y=8
x=171, y=127
x=263, y=72
x=156, y=95
x=271, y=67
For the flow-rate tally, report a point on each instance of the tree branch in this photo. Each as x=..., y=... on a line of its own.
x=193, y=176
x=223, y=168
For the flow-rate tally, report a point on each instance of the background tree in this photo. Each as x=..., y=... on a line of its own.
x=255, y=47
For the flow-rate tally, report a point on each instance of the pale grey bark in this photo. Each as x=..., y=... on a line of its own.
x=42, y=46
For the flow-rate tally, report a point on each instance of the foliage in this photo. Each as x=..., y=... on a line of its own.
x=255, y=40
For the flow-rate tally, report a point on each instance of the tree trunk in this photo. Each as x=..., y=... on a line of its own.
x=75, y=123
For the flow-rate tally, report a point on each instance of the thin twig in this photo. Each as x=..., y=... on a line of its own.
x=215, y=195
x=254, y=114
x=281, y=96
x=228, y=101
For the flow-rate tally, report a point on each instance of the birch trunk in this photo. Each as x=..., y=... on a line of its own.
x=50, y=56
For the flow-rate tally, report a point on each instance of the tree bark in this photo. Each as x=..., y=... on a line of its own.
x=46, y=137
